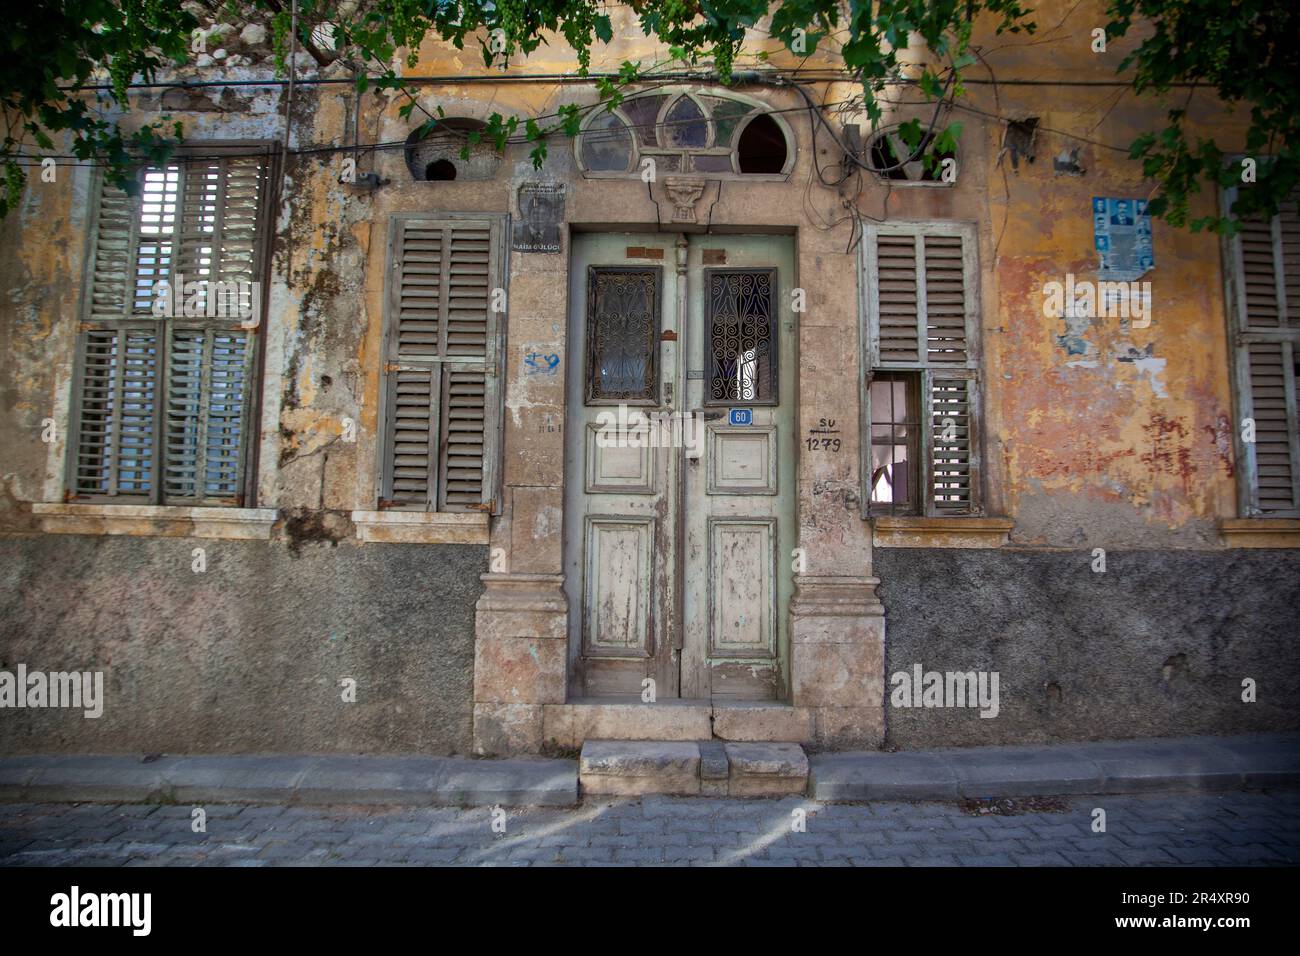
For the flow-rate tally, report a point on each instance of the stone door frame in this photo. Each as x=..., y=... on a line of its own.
x=521, y=694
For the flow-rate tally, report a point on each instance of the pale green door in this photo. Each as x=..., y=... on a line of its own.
x=679, y=526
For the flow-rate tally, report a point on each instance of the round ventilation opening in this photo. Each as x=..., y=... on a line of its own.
x=440, y=170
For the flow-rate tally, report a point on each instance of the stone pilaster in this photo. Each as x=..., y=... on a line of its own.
x=837, y=628
x=520, y=659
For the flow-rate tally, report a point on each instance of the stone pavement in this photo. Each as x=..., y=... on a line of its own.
x=1222, y=828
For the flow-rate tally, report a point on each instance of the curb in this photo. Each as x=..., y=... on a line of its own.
x=295, y=780
x=1109, y=767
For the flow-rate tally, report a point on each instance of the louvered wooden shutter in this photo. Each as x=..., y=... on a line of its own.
x=921, y=313
x=170, y=395
x=953, y=462
x=442, y=347
x=1267, y=342
x=208, y=385
x=114, y=454
x=898, y=301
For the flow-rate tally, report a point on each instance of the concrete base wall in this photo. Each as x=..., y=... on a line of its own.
x=1157, y=645
x=249, y=655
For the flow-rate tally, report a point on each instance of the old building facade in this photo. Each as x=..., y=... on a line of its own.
x=701, y=429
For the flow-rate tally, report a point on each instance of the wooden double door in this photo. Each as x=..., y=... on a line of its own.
x=680, y=465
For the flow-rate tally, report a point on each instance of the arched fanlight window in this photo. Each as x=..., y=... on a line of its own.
x=715, y=134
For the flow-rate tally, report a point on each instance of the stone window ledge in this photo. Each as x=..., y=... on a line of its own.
x=1260, y=532
x=422, y=527
x=155, y=520
x=916, y=532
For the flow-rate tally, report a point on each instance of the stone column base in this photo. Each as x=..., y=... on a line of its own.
x=521, y=653
x=837, y=631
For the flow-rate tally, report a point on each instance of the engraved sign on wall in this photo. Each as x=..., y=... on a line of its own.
x=541, y=211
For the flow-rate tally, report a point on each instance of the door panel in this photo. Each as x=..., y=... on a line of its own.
x=622, y=468
x=678, y=543
x=742, y=561
x=619, y=559
x=740, y=510
x=621, y=497
x=741, y=459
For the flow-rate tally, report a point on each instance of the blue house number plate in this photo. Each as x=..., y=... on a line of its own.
x=742, y=416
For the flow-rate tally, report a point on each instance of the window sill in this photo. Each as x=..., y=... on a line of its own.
x=1260, y=532
x=155, y=520
x=915, y=532
x=422, y=527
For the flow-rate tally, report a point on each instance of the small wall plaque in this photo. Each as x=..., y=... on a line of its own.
x=541, y=213
x=644, y=252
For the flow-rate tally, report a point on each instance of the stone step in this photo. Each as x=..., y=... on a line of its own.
x=568, y=725
x=692, y=768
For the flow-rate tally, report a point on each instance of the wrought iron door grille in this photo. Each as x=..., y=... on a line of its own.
x=622, y=335
x=742, y=349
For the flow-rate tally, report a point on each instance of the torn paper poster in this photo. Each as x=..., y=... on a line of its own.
x=1122, y=234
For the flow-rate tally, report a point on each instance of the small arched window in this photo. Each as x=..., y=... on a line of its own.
x=436, y=156
x=715, y=134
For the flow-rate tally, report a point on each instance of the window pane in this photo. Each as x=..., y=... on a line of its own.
x=643, y=113
x=606, y=145
x=684, y=126
x=622, y=332
x=890, y=474
x=741, y=344
x=895, y=443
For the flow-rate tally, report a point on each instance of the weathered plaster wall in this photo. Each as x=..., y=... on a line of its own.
x=42, y=250
x=1157, y=645
x=248, y=655
x=1097, y=434
x=1082, y=449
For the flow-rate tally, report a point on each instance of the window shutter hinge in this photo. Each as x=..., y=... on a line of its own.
x=484, y=506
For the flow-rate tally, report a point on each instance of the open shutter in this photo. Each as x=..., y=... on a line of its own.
x=1266, y=258
x=921, y=314
x=170, y=395
x=113, y=451
x=210, y=353
x=953, y=465
x=442, y=350
x=111, y=283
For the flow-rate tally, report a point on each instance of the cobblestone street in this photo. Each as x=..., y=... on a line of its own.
x=1233, y=828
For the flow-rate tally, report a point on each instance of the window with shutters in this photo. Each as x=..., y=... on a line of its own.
x=921, y=387
x=444, y=325
x=163, y=389
x=1265, y=297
